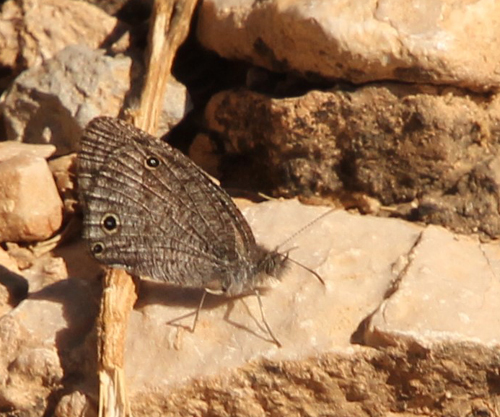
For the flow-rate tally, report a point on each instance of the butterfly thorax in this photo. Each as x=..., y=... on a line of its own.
x=253, y=271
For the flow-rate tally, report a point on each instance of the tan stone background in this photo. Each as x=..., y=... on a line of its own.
x=387, y=111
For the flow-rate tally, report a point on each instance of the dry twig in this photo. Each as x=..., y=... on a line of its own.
x=170, y=25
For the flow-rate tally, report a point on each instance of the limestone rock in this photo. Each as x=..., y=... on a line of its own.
x=11, y=149
x=32, y=351
x=51, y=103
x=13, y=287
x=427, y=152
x=425, y=41
x=30, y=206
x=64, y=171
x=446, y=287
x=328, y=364
x=203, y=153
x=8, y=262
x=9, y=14
x=176, y=105
x=23, y=256
x=74, y=405
x=33, y=31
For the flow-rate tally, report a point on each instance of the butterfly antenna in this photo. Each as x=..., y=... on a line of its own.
x=307, y=226
x=298, y=232
x=307, y=269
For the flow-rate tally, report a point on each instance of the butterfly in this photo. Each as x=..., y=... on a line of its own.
x=150, y=210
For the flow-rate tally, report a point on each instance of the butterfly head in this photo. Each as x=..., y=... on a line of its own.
x=254, y=272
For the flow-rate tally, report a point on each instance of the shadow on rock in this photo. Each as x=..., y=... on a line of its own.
x=76, y=342
x=17, y=286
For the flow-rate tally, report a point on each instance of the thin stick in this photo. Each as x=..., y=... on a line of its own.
x=170, y=26
x=171, y=20
x=118, y=298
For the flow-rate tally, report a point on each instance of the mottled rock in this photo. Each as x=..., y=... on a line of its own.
x=176, y=105
x=9, y=48
x=64, y=171
x=52, y=102
x=24, y=257
x=10, y=149
x=8, y=262
x=327, y=364
x=429, y=153
x=30, y=206
x=33, y=352
x=74, y=405
x=44, y=271
x=203, y=153
x=423, y=41
x=33, y=31
x=447, y=287
x=13, y=287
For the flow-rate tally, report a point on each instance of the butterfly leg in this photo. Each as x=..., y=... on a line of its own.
x=198, y=311
x=268, y=328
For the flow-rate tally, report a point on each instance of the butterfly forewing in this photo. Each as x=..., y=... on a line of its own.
x=149, y=209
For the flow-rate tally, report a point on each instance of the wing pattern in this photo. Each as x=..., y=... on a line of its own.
x=151, y=210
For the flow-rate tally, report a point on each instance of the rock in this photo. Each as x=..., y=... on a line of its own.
x=342, y=342
x=51, y=103
x=11, y=149
x=176, y=105
x=36, y=366
x=203, y=153
x=30, y=206
x=432, y=298
x=33, y=31
x=9, y=48
x=5, y=304
x=8, y=262
x=73, y=405
x=420, y=42
x=46, y=270
x=13, y=287
x=64, y=171
x=24, y=257
x=434, y=149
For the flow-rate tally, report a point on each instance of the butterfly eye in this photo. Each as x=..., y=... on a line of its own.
x=152, y=162
x=110, y=223
x=97, y=248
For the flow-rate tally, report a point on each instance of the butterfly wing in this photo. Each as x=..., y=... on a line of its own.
x=151, y=210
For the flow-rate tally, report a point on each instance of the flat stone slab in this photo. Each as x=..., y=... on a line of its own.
x=448, y=287
x=422, y=296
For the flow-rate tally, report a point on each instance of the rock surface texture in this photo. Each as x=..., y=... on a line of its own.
x=423, y=41
x=52, y=102
x=390, y=308
x=30, y=206
x=33, y=31
x=66, y=80
x=387, y=109
x=429, y=154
